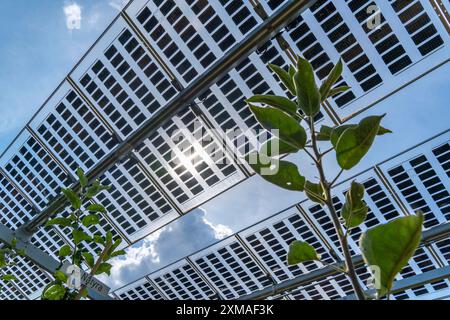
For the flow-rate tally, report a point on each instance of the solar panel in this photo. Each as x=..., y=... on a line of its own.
x=420, y=180
x=231, y=269
x=191, y=35
x=139, y=290
x=134, y=203
x=188, y=161
x=181, y=282
x=270, y=241
x=72, y=130
x=31, y=280
x=123, y=81
x=374, y=57
x=32, y=168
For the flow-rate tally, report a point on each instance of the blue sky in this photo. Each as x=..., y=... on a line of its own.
x=38, y=48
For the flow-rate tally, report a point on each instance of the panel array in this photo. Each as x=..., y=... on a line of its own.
x=191, y=35
x=182, y=282
x=140, y=290
x=420, y=178
x=123, y=80
x=188, y=161
x=72, y=130
x=377, y=40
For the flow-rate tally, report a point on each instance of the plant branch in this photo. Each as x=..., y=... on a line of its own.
x=335, y=218
x=95, y=268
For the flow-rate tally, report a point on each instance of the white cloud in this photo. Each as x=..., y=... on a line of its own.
x=73, y=16
x=179, y=239
x=118, y=4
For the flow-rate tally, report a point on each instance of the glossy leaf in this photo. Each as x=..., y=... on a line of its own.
x=89, y=258
x=95, y=207
x=98, y=239
x=118, y=253
x=285, y=77
x=65, y=251
x=338, y=131
x=8, y=277
x=390, y=246
x=90, y=220
x=285, y=127
x=355, y=142
x=104, y=268
x=279, y=172
x=337, y=90
x=79, y=236
x=277, y=102
x=82, y=178
x=300, y=252
x=74, y=199
x=315, y=192
x=308, y=94
x=54, y=292
x=275, y=147
x=325, y=133
x=63, y=222
x=60, y=276
x=333, y=77
x=354, y=211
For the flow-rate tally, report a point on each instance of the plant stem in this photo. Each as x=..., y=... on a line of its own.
x=335, y=218
x=94, y=269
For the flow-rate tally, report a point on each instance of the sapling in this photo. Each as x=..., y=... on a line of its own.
x=387, y=247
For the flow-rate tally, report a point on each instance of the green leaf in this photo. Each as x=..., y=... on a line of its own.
x=390, y=246
x=82, y=178
x=98, y=239
x=14, y=242
x=338, y=90
x=75, y=201
x=286, y=128
x=108, y=238
x=2, y=259
x=355, y=142
x=382, y=131
x=116, y=244
x=277, y=102
x=104, y=268
x=307, y=92
x=79, y=236
x=54, y=292
x=95, y=207
x=315, y=192
x=279, y=172
x=285, y=77
x=89, y=258
x=354, y=211
x=65, y=251
x=334, y=76
x=63, y=222
x=95, y=189
x=60, y=276
x=90, y=220
x=8, y=277
x=275, y=147
x=300, y=252
x=338, y=131
x=324, y=133
x=118, y=253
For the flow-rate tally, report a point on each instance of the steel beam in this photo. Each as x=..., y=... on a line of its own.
x=433, y=234
x=413, y=282
x=263, y=33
